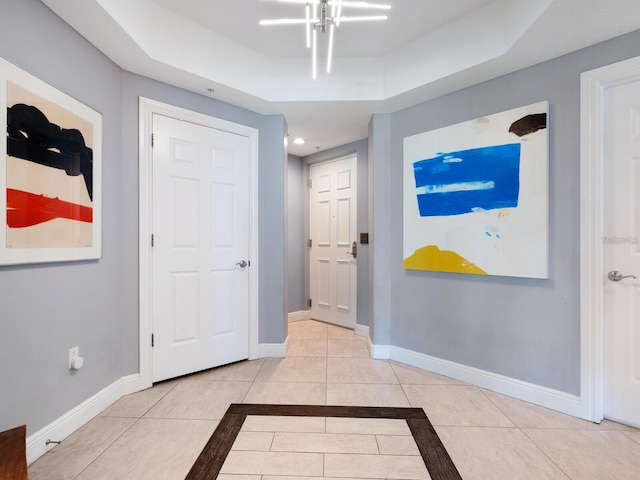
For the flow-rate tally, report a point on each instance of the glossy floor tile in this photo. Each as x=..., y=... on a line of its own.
x=77, y=452
x=366, y=395
x=497, y=453
x=197, y=399
x=588, y=454
x=158, y=433
x=341, y=347
x=152, y=449
x=360, y=370
x=294, y=369
x=458, y=405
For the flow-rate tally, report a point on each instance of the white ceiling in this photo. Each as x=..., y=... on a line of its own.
x=232, y=18
x=425, y=49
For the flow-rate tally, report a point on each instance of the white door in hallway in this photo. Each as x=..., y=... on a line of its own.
x=333, y=227
x=200, y=311
x=622, y=254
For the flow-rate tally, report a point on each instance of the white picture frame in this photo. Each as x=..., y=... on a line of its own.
x=50, y=173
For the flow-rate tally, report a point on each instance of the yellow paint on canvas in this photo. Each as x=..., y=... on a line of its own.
x=432, y=258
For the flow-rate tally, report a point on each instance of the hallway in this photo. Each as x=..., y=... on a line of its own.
x=159, y=433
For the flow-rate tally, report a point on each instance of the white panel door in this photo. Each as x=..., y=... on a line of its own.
x=333, y=218
x=622, y=254
x=201, y=242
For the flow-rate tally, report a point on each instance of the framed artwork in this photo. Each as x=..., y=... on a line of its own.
x=50, y=173
x=476, y=196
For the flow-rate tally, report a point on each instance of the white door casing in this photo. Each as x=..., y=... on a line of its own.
x=333, y=229
x=594, y=158
x=622, y=254
x=147, y=110
x=200, y=251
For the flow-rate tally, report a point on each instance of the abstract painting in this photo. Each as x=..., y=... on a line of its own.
x=476, y=196
x=49, y=173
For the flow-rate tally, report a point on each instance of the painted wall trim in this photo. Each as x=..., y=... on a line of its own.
x=528, y=392
x=361, y=331
x=68, y=423
x=273, y=350
x=379, y=352
x=594, y=84
x=299, y=315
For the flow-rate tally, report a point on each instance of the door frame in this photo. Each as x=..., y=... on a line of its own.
x=147, y=108
x=594, y=84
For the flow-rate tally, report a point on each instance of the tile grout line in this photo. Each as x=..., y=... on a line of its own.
x=404, y=392
x=137, y=419
x=107, y=447
x=521, y=430
x=545, y=454
x=253, y=381
x=627, y=433
x=482, y=390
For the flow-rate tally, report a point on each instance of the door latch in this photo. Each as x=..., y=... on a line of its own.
x=354, y=250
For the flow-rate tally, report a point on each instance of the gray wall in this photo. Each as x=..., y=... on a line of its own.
x=524, y=329
x=296, y=236
x=379, y=199
x=48, y=308
x=271, y=172
x=273, y=230
x=361, y=149
x=45, y=309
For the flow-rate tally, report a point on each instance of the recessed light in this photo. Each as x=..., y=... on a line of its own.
x=299, y=141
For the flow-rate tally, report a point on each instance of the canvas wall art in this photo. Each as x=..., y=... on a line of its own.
x=476, y=196
x=50, y=173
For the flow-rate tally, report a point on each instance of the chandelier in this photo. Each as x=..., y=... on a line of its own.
x=322, y=16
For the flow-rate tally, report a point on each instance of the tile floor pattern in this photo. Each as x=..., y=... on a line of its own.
x=342, y=442
x=158, y=433
x=325, y=447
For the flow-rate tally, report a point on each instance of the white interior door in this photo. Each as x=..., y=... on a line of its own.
x=200, y=305
x=622, y=254
x=333, y=226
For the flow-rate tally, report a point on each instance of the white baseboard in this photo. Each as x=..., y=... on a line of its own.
x=300, y=315
x=361, y=330
x=380, y=352
x=64, y=426
x=273, y=350
x=132, y=384
x=528, y=392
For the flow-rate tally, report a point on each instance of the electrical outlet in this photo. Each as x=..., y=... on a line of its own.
x=74, y=353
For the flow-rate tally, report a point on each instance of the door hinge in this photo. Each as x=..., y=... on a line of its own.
x=152, y=140
x=310, y=183
x=153, y=343
x=153, y=240
x=310, y=303
x=310, y=243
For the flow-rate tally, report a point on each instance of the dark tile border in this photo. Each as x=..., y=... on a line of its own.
x=214, y=453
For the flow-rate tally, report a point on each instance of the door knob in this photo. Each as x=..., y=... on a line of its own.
x=242, y=264
x=616, y=276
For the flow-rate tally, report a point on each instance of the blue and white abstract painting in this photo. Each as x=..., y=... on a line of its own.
x=476, y=196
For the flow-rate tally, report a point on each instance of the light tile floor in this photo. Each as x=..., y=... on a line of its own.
x=158, y=433
x=281, y=447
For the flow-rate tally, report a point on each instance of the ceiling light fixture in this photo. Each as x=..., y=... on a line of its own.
x=299, y=141
x=319, y=18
